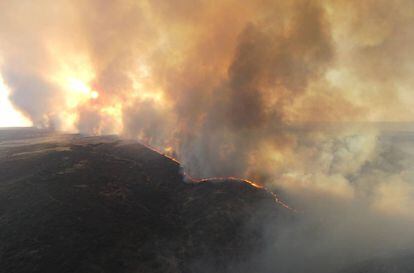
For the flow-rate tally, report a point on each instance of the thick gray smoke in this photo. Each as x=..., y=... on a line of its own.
x=347, y=216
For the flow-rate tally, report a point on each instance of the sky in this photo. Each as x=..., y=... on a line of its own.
x=106, y=67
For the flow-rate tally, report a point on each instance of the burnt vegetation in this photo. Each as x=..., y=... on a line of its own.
x=70, y=203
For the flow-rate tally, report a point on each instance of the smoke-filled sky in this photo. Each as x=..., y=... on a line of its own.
x=105, y=66
x=236, y=88
x=195, y=74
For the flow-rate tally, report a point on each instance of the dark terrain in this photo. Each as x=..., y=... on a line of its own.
x=394, y=264
x=70, y=203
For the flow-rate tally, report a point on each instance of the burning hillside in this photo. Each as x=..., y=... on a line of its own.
x=97, y=204
x=311, y=99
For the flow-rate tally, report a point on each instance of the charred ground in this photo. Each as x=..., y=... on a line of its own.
x=70, y=203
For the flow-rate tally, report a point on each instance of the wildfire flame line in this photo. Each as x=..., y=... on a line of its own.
x=226, y=178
